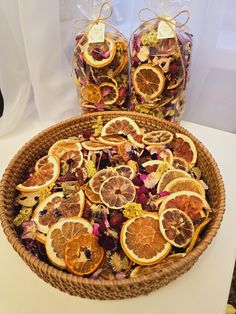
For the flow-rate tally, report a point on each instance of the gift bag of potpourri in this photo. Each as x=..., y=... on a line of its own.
x=160, y=60
x=100, y=60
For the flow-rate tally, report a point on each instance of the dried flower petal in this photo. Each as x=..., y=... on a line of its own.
x=24, y=215
x=98, y=126
x=29, y=230
x=132, y=210
x=91, y=169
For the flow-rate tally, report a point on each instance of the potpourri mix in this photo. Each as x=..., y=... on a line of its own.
x=114, y=202
x=100, y=65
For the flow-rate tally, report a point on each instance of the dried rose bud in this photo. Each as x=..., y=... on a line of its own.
x=137, y=181
x=116, y=220
x=142, y=199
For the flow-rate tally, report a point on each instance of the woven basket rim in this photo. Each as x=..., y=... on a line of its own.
x=53, y=271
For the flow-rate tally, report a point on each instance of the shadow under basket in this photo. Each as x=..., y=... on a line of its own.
x=105, y=289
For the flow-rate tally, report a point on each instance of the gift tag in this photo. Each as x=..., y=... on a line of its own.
x=165, y=29
x=97, y=33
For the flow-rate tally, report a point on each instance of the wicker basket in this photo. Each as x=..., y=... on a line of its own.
x=102, y=289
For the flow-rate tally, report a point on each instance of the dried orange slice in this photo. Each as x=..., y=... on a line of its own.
x=83, y=254
x=124, y=150
x=185, y=148
x=148, y=81
x=163, y=153
x=136, y=140
x=157, y=137
x=62, y=146
x=60, y=234
x=106, y=79
x=41, y=237
x=43, y=177
x=169, y=176
x=176, y=227
x=95, y=49
x=117, y=191
x=91, y=93
x=41, y=162
x=109, y=92
x=92, y=145
x=185, y=184
x=101, y=176
x=71, y=160
x=55, y=207
x=112, y=140
x=142, y=241
x=181, y=164
x=125, y=171
x=120, y=125
x=191, y=203
x=123, y=62
x=167, y=261
x=92, y=196
x=196, y=234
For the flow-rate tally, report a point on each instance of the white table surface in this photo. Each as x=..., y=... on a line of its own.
x=202, y=290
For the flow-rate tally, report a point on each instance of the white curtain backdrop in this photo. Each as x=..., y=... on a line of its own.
x=35, y=73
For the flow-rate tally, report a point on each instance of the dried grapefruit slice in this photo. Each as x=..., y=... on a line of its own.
x=60, y=234
x=158, y=137
x=185, y=148
x=176, y=227
x=125, y=171
x=191, y=203
x=71, y=160
x=91, y=93
x=62, y=146
x=117, y=191
x=148, y=81
x=83, y=254
x=185, y=184
x=153, y=165
x=101, y=176
x=181, y=164
x=120, y=125
x=43, y=177
x=55, y=207
x=93, y=53
x=109, y=93
x=169, y=176
x=142, y=241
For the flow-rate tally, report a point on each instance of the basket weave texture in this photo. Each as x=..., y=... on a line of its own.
x=104, y=289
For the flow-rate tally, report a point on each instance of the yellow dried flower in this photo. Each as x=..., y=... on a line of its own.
x=91, y=169
x=44, y=193
x=98, y=126
x=132, y=210
x=24, y=215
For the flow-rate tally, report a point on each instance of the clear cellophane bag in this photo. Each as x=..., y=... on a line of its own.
x=100, y=60
x=160, y=51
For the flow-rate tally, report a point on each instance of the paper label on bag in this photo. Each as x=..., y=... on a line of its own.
x=97, y=33
x=166, y=30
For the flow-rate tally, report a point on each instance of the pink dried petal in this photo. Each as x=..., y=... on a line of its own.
x=122, y=92
x=96, y=229
x=163, y=193
x=106, y=90
x=143, y=177
x=106, y=54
